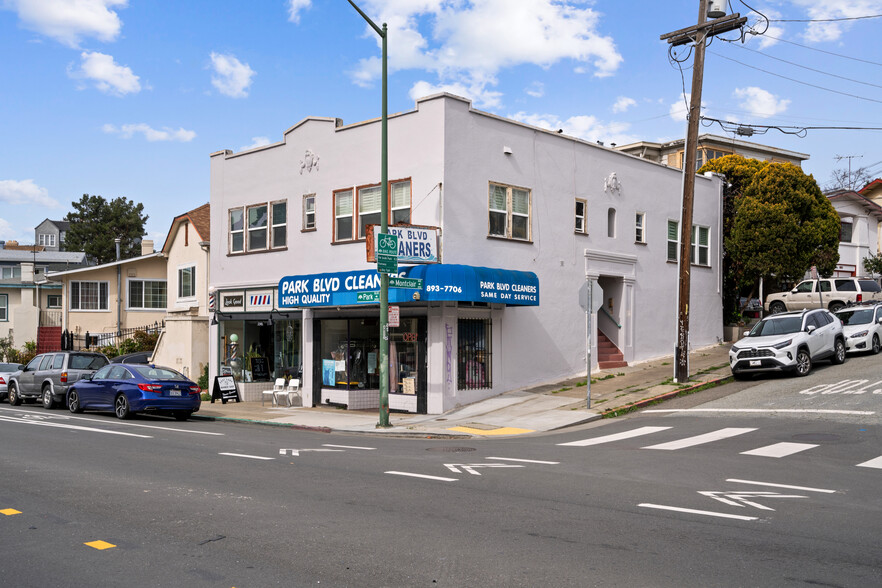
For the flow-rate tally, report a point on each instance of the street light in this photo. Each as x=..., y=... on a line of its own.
x=384, y=226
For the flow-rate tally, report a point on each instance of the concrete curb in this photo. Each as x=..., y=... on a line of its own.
x=266, y=423
x=613, y=412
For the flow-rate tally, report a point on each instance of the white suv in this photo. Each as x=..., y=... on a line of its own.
x=832, y=294
x=789, y=341
x=862, y=326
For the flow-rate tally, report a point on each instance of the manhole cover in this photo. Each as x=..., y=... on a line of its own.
x=451, y=449
x=817, y=437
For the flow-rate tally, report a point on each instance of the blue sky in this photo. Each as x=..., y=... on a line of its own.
x=129, y=97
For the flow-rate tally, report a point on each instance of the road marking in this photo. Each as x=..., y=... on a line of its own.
x=100, y=544
x=741, y=498
x=297, y=452
x=349, y=447
x=73, y=427
x=248, y=456
x=439, y=478
x=471, y=467
x=9, y=512
x=700, y=439
x=873, y=463
x=525, y=460
x=779, y=449
x=116, y=422
x=615, y=437
x=770, y=410
x=699, y=512
x=789, y=487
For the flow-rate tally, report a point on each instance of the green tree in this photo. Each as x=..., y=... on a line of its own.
x=873, y=263
x=95, y=223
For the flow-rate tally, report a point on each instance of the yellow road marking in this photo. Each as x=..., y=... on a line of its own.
x=100, y=544
x=10, y=511
x=499, y=431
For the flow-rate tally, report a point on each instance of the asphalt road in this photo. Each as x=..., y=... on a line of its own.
x=769, y=483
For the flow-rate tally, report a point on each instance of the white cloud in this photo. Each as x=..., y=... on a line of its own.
x=679, y=109
x=818, y=32
x=760, y=103
x=231, y=77
x=151, y=134
x=255, y=143
x=295, y=7
x=69, y=21
x=6, y=232
x=623, y=104
x=107, y=75
x=536, y=90
x=477, y=92
x=584, y=127
x=25, y=192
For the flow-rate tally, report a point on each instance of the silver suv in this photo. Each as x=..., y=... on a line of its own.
x=49, y=375
x=789, y=341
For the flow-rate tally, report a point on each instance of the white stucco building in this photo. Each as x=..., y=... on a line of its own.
x=542, y=210
x=859, y=236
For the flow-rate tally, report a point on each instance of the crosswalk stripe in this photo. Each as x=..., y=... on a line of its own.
x=873, y=463
x=700, y=439
x=779, y=449
x=615, y=437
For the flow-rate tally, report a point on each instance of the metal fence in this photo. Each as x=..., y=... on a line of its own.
x=87, y=340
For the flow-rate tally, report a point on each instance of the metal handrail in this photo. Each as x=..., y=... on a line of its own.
x=606, y=312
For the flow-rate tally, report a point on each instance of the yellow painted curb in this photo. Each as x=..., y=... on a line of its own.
x=499, y=431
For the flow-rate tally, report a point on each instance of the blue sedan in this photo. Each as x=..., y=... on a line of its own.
x=127, y=389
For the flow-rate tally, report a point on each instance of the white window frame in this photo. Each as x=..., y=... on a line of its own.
x=101, y=285
x=338, y=238
x=233, y=233
x=308, y=223
x=396, y=208
x=192, y=295
x=49, y=304
x=143, y=282
x=47, y=240
x=640, y=227
x=4, y=308
x=278, y=225
x=509, y=212
x=581, y=225
x=361, y=231
x=698, y=248
x=247, y=233
x=252, y=232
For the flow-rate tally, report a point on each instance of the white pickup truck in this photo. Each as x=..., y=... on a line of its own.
x=832, y=294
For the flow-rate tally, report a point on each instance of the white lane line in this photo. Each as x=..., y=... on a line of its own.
x=248, y=456
x=114, y=422
x=779, y=449
x=770, y=410
x=525, y=460
x=73, y=427
x=615, y=436
x=789, y=487
x=873, y=463
x=348, y=446
x=700, y=439
x=709, y=513
x=439, y=478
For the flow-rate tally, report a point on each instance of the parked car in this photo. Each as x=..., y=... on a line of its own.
x=136, y=357
x=127, y=389
x=49, y=375
x=862, y=326
x=6, y=370
x=789, y=341
x=832, y=294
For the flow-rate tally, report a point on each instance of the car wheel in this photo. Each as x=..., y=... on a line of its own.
x=73, y=402
x=877, y=347
x=48, y=401
x=835, y=306
x=838, y=352
x=14, y=398
x=803, y=362
x=777, y=307
x=181, y=415
x=121, y=407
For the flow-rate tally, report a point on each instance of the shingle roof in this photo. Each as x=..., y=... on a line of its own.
x=199, y=218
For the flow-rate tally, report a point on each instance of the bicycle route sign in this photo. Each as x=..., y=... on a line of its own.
x=387, y=253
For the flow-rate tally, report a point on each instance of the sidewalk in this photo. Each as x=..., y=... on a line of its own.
x=540, y=408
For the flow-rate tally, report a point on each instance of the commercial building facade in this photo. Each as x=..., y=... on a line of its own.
x=521, y=218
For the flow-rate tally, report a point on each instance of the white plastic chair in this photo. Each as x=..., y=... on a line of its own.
x=292, y=390
x=278, y=387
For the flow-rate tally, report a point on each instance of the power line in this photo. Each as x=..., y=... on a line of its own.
x=798, y=81
x=747, y=129
x=820, y=50
x=827, y=19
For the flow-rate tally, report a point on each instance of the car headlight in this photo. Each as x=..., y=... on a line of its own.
x=783, y=344
x=861, y=334
x=734, y=349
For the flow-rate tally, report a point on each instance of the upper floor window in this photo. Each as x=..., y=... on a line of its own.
x=88, y=296
x=237, y=233
x=640, y=228
x=343, y=215
x=510, y=210
x=280, y=224
x=581, y=216
x=611, y=223
x=362, y=207
x=47, y=240
x=700, y=251
x=147, y=294
x=187, y=282
x=399, y=209
x=259, y=227
x=369, y=204
x=257, y=221
x=845, y=230
x=309, y=212
x=4, y=307
x=10, y=272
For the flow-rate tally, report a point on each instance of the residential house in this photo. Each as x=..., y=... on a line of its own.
x=523, y=222
x=183, y=344
x=51, y=234
x=859, y=235
x=873, y=191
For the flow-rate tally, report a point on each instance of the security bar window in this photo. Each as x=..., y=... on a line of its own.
x=474, y=354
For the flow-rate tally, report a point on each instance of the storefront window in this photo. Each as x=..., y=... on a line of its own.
x=474, y=354
x=260, y=350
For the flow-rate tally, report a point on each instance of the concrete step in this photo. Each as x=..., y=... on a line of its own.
x=608, y=365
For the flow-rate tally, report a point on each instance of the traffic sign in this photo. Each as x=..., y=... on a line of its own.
x=387, y=253
x=413, y=283
x=394, y=316
x=368, y=297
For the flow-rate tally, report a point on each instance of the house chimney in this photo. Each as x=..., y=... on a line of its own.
x=27, y=272
x=146, y=246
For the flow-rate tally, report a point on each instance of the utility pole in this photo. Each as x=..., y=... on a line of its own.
x=849, y=158
x=697, y=34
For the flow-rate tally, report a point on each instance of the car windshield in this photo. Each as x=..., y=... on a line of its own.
x=777, y=326
x=9, y=367
x=158, y=373
x=863, y=316
x=86, y=362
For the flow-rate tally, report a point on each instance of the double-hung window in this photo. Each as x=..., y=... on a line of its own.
x=370, y=200
x=187, y=282
x=581, y=216
x=640, y=228
x=237, y=233
x=147, y=294
x=4, y=307
x=259, y=227
x=509, y=212
x=309, y=212
x=257, y=222
x=343, y=210
x=279, y=224
x=673, y=240
x=355, y=209
x=47, y=240
x=399, y=209
x=700, y=250
x=53, y=301
x=88, y=296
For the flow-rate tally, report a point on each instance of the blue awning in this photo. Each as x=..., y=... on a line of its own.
x=441, y=282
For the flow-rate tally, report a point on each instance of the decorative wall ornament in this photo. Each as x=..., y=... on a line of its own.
x=310, y=162
x=612, y=185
